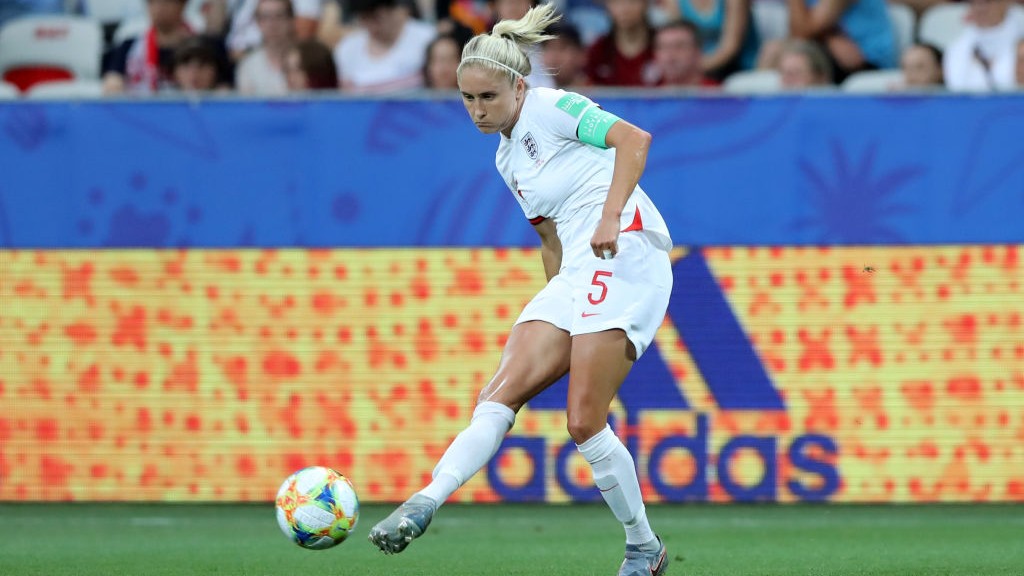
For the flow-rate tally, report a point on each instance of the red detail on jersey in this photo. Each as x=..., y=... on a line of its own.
x=537, y=220
x=588, y=315
x=637, y=224
x=520, y=192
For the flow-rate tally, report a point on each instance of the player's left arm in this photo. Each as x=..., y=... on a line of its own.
x=631, y=145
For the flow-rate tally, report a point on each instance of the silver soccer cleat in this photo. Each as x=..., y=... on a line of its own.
x=640, y=563
x=408, y=522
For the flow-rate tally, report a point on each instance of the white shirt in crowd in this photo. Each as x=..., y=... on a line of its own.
x=257, y=76
x=962, y=64
x=244, y=33
x=401, y=68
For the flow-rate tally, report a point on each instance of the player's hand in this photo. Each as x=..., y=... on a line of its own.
x=605, y=241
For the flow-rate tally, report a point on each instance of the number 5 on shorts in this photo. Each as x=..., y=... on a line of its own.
x=597, y=282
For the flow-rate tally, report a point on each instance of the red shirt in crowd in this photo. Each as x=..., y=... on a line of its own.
x=606, y=66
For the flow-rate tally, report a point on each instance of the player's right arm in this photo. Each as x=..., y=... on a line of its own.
x=550, y=247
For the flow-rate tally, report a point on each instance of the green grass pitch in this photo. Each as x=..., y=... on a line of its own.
x=225, y=540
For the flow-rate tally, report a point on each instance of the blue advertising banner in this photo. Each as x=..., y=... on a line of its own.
x=794, y=170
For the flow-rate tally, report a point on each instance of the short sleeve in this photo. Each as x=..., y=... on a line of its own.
x=577, y=117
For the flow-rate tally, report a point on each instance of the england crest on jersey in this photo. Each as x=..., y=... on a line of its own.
x=531, y=146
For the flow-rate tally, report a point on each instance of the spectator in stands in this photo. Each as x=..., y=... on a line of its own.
x=919, y=6
x=728, y=37
x=922, y=66
x=1020, y=63
x=461, y=18
x=855, y=35
x=310, y=65
x=215, y=14
x=443, y=56
x=386, y=52
x=803, y=64
x=564, y=57
x=982, y=58
x=261, y=72
x=142, y=65
x=199, y=65
x=244, y=34
x=677, y=56
x=624, y=56
x=335, y=22
x=514, y=10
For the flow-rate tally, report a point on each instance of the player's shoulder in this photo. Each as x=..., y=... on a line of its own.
x=556, y=100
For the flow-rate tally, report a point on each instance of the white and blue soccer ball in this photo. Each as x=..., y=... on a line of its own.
x=317, y=507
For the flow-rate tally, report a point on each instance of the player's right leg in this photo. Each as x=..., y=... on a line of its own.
x=535, y=356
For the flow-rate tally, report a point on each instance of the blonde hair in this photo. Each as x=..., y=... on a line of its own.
x=504, y=49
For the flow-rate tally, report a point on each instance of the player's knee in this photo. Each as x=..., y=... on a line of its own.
x=582, y=428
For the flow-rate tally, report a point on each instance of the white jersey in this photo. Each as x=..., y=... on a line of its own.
x=555, y=175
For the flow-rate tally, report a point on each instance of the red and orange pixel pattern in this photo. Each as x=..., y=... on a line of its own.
x=212, y=375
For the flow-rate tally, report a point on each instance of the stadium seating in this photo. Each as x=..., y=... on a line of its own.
x=66, y=89
x=753, y=82
x=8, y=91
x=873, y=81
x=903, y=23
x=941, y=24
x=771, y=18
x=37, y=49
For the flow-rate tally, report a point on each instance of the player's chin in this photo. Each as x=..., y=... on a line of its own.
x=487, y=128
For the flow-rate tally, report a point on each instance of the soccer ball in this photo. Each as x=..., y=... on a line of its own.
x=317, y=508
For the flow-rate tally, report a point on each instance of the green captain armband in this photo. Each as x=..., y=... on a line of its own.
x=594, y=126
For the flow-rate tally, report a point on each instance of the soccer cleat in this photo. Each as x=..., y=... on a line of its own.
x=640, y=563
x=407, y=522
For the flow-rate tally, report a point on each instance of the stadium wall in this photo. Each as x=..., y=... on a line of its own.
x=197, y=298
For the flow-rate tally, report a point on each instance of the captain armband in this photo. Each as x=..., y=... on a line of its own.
x=594, y=126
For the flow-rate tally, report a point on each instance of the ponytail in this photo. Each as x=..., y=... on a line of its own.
x=504, y=49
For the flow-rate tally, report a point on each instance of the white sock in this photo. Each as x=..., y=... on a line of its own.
x=615, y=476
x=470, y=450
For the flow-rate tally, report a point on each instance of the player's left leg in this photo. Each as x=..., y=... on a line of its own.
x=599, y=364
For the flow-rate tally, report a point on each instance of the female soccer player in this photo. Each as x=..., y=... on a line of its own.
x=574, y=170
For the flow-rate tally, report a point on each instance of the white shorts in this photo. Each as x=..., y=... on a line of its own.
x=629, y=292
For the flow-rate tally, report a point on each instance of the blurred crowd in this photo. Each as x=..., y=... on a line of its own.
x=278, y=47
